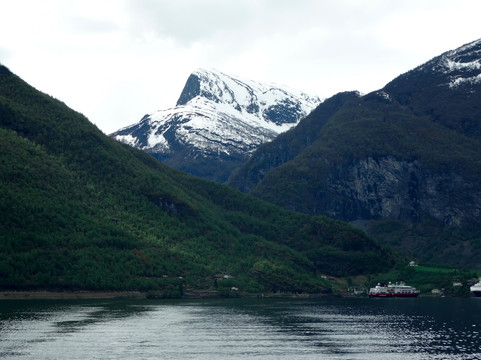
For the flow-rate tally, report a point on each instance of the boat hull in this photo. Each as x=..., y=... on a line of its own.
x=383, y=295
x=396, y=295
x=476, y=293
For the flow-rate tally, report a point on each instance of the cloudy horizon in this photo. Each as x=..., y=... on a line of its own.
x=116, y=60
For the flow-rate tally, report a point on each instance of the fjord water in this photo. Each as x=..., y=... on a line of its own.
x=328, y=328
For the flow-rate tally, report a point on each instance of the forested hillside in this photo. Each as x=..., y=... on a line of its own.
x=403, y=162
x=81, y=211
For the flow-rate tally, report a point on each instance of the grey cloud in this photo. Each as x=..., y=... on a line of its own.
x=189, y=21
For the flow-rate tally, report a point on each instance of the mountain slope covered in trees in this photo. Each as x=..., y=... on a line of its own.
x=81, y=211
x=403, y=162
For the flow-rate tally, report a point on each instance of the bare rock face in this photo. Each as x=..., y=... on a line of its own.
x=397, y=189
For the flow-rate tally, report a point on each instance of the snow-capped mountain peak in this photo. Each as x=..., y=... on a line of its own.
x=246, y=96
x=217, y=116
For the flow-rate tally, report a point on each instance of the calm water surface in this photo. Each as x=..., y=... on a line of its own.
x=424, y=328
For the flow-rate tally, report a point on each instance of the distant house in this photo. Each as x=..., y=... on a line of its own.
x=355, y=291
x=223, y=276
x=436, y=292
x=457, y=282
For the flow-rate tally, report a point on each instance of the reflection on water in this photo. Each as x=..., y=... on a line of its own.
x=242, y=329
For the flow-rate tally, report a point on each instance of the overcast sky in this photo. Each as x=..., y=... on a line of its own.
x=116, y=60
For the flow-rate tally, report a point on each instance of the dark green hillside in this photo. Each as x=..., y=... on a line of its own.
x=367, y=127
x=403, y=162
x=348, y=139
x=81, y=211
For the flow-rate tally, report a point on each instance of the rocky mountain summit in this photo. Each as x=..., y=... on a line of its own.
x=446, y=88
x=218, y=121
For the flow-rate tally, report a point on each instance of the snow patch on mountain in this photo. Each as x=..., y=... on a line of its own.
x=384, y=95
x=468, y=80
x=456, y=65
x=127, y=139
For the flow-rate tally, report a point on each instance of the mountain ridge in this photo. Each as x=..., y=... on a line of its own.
x=217, y=122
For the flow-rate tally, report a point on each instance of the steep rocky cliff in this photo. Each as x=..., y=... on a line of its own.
x=405, y=190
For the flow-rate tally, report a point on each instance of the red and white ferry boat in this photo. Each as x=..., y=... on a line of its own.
x=393, y=290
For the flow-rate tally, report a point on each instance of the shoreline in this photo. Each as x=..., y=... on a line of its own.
x=70, y=295
x=98, y=295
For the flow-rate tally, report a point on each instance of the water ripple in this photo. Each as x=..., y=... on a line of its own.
x=243, y=329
